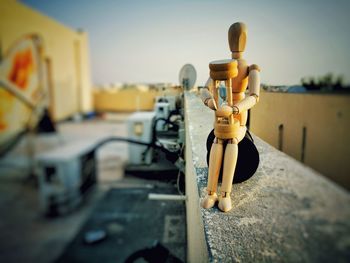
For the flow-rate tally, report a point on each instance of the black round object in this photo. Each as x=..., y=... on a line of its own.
x=247, y=161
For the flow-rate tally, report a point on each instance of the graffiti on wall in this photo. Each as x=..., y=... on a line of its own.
x=21, y=71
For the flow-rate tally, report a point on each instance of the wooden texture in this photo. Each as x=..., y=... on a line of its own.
x=240, y=82
x=237, y=37
x=226, y=130
x=223, y=69
x=223, y=65
x=215, y=160
x=231, y=116
x=230, y=160
x=216, y=154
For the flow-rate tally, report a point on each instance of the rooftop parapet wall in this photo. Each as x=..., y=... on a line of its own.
x=285, y=212
x=312, y=128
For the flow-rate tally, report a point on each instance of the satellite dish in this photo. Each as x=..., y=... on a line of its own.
x=187, y=76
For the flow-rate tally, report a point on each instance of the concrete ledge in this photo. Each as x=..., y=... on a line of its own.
x=285, y=212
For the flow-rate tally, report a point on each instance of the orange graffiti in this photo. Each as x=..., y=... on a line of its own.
x=22, y=67
x=3, y=126
x=6, y=105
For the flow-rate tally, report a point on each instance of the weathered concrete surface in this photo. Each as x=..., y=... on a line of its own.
x=285, y=213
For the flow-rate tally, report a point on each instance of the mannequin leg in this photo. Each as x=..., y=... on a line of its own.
x=215, y=161
x=230, y=161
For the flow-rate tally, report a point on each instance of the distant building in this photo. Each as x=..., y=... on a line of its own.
x=296, y=89
x=131, y=97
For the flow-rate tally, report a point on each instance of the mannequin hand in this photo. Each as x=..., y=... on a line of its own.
x=224, y=111
x=235, y=110
x=211, y=104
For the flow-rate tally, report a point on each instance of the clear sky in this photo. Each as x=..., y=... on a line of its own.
x=149, y=41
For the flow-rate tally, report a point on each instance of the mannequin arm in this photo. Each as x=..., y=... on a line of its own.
x=206, y=95
x=254, y=91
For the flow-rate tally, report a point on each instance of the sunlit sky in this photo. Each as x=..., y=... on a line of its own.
x=149, y=41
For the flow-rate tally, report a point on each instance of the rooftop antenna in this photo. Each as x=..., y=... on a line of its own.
x=187, y=77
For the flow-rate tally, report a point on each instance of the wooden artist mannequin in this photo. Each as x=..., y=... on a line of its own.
x=230, y=117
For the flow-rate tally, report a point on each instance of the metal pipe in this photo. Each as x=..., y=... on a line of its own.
x=167, y=197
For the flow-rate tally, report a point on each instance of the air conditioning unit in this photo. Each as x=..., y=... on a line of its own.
x=64, y=175
x=171, y=99
x=140, y=128
x=162, y=110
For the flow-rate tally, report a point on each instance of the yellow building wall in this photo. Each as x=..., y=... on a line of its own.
x=85, y=104
x=70, y=71
x=326, y=119
x=127, y=100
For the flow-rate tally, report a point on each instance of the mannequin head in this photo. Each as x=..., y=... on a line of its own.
x=237, y=37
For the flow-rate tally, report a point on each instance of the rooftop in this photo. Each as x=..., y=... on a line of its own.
x=285, y=211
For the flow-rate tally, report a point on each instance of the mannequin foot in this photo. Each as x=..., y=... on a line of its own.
x=209, y=201
x=225, y=202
